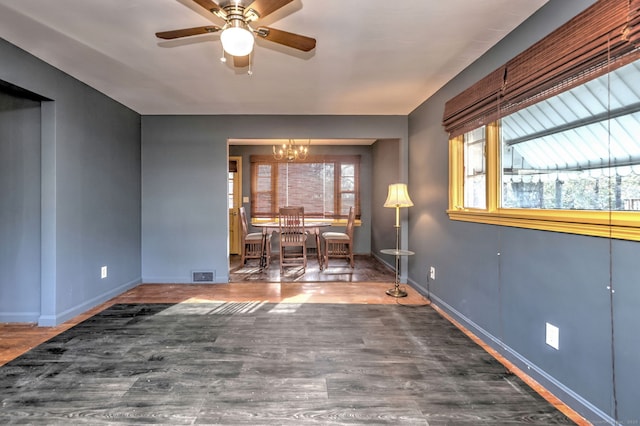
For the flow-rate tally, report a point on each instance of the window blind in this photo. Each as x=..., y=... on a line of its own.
x=603, y=37
x=633, y=29
x=325, y=185
x=476, y=106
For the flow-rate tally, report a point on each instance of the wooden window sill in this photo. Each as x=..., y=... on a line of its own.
x=618, y=225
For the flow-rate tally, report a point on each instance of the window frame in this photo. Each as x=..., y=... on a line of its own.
x=337, y=160
x=623, y=225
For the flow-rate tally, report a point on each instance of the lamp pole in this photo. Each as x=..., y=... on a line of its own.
x=395, y=291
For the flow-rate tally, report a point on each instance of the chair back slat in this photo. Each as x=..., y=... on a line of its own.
x=293, y=246
x=338, y=244
x=291, y=224
x=351, y=219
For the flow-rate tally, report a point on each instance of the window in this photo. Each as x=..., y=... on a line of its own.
x=327, y=186
x=231, y=183
x=578, y=150
x=569, y=163
x=550, y=139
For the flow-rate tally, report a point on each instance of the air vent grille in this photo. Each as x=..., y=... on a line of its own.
x=203, y=276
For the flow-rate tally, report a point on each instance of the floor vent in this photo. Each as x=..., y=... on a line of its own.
x=203, y=276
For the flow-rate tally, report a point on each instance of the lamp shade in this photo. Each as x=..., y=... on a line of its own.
x=237, y=41
x=398, y=196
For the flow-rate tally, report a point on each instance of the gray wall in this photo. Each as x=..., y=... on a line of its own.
x=387, y=170
x=89, y=195
x=19, y=208
x=506, y=283
x=184, y=180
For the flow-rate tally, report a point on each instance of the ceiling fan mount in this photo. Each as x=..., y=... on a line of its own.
x=237, y=34
x=235, y=11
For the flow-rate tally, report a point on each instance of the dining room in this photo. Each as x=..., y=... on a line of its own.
x=334, y=176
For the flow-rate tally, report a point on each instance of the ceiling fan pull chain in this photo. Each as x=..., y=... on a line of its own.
x=223, y=58
x=250, y=71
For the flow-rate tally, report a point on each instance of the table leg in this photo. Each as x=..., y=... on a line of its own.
x=318, y=248
x=263, y=256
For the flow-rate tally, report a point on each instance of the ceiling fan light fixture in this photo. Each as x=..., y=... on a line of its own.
x=237, y=36
x=237, y=41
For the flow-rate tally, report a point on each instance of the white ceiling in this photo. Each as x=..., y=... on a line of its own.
x=301, y=141
x=372, y=56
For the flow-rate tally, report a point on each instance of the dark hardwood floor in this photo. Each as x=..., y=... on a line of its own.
x=265, y=352
x=367, y=269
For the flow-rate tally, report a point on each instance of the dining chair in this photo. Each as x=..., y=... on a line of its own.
x=340, y=244
x=293, y=238
x=253, y=244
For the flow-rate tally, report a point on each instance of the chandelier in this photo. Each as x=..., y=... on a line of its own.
x=290, y=151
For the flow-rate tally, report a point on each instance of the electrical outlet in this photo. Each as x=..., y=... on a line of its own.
x=103, y=272
x=432, y=272
x=552, y=336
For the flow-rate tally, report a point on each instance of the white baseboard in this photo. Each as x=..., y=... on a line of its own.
x=59, y=318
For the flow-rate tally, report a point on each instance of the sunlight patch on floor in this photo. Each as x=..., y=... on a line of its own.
x=285, y=308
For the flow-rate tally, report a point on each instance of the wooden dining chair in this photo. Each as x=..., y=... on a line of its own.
x=254, y=244
x=340, y=244
x=293, y=238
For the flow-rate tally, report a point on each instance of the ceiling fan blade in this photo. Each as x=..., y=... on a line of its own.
x=286, y=38
x=265, y=7
x=210, y=5
x=186, y=32
x=241, y=61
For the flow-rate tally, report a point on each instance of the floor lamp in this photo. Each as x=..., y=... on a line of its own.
x=397, y=197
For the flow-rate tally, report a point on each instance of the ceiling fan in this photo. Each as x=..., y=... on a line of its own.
x=237, y=35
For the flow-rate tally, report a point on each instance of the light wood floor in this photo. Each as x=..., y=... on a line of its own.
x=15, y=339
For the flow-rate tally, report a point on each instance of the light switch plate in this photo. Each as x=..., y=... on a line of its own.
x=553, y=336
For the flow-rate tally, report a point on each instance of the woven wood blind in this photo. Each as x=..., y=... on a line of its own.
x=633, y=30
x=475, y=106
x=601, y=38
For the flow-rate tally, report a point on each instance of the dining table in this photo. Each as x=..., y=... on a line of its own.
x=311, y=227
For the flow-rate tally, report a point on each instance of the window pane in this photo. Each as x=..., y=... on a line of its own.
x=348, y=170
x=329, y=179
x=347, y=183
x=347, y=177
x=475, y=178
x=577, y=150
x=230, y=189
x=348, y=201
